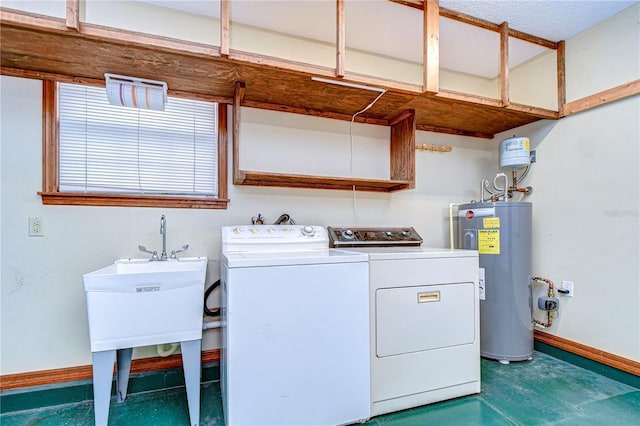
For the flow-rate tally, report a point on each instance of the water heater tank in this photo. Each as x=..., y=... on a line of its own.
x=501, y=232
x=515, y=153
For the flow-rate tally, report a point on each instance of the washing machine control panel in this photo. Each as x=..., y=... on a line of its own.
x=273, y=237
x=373, y=237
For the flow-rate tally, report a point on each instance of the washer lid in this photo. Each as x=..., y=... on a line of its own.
x=290, y=258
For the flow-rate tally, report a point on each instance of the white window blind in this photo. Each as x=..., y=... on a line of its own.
x=119, y=150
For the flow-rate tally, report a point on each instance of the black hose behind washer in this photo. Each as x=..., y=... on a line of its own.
x=215, y=312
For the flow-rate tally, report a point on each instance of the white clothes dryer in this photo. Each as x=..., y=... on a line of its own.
x=425, y=334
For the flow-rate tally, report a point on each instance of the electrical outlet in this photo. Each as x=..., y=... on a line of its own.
x=36, y=227
x=567, y=288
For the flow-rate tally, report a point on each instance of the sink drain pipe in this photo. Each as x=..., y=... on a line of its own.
x=163, y=352
x=208, y=325
x=213, y=313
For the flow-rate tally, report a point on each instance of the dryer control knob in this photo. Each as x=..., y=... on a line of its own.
x=254, y=230
x=236, y=230
x=347, y=233
x=307, y=230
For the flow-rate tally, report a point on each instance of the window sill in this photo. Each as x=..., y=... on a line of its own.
x=117, y=200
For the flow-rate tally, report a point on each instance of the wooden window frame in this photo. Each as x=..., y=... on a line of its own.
x=51, y=161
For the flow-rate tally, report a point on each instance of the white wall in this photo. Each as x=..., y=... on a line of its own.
x=296, y=142
x=467, y=83
x=43, y=307
x=535, y=82
x=605, y=56
x=586, y=222
x=152, y=19
x=55, y=8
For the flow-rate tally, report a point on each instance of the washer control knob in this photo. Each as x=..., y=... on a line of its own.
x=236, y=230
x=307, y=230
x=271, y=230
x=254, y=230
x=405, y=233
x=388, y=233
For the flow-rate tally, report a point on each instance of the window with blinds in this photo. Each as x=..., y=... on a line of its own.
x=107, y=149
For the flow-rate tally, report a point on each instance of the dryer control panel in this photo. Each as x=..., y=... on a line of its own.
x=373, y=237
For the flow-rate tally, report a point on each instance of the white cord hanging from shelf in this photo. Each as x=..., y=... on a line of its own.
x=433, y=147
x=381, y=91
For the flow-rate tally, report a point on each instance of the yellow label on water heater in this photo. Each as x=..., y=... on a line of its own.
x=491, y=222
x=489, y=241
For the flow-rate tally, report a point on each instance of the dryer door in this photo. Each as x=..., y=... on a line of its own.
x=413, y=319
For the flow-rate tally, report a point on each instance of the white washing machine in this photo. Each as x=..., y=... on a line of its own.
x=424, y=329
x=295, y=336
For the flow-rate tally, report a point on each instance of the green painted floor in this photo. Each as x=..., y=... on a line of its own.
x=545, y=391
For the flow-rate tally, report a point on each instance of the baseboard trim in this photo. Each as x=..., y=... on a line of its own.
x=84, y=372
x=70, y=374
x=597, y=355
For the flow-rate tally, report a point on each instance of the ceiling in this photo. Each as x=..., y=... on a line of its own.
x=553, y=20
x=463, y=48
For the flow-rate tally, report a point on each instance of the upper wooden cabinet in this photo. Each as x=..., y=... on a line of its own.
x=276, y=48
x=49, y=45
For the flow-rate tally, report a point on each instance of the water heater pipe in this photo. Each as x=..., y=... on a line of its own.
x=506, y=185
x=547, y=281
x=451, y=205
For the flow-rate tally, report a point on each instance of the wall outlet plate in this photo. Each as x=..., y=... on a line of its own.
x=568, y=287
x=36, y=226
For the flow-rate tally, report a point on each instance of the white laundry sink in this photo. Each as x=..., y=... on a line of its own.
x=137, y=302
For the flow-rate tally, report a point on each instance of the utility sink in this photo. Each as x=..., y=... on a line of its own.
x=137, y=302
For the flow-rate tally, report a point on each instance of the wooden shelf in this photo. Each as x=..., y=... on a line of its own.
x=401, y=159
x=321, y=182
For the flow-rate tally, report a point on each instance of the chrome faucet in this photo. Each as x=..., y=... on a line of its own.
x=163, y=256
x=163, y=231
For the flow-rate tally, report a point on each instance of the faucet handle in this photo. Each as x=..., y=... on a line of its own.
x=183, y=248
x=154, y=254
